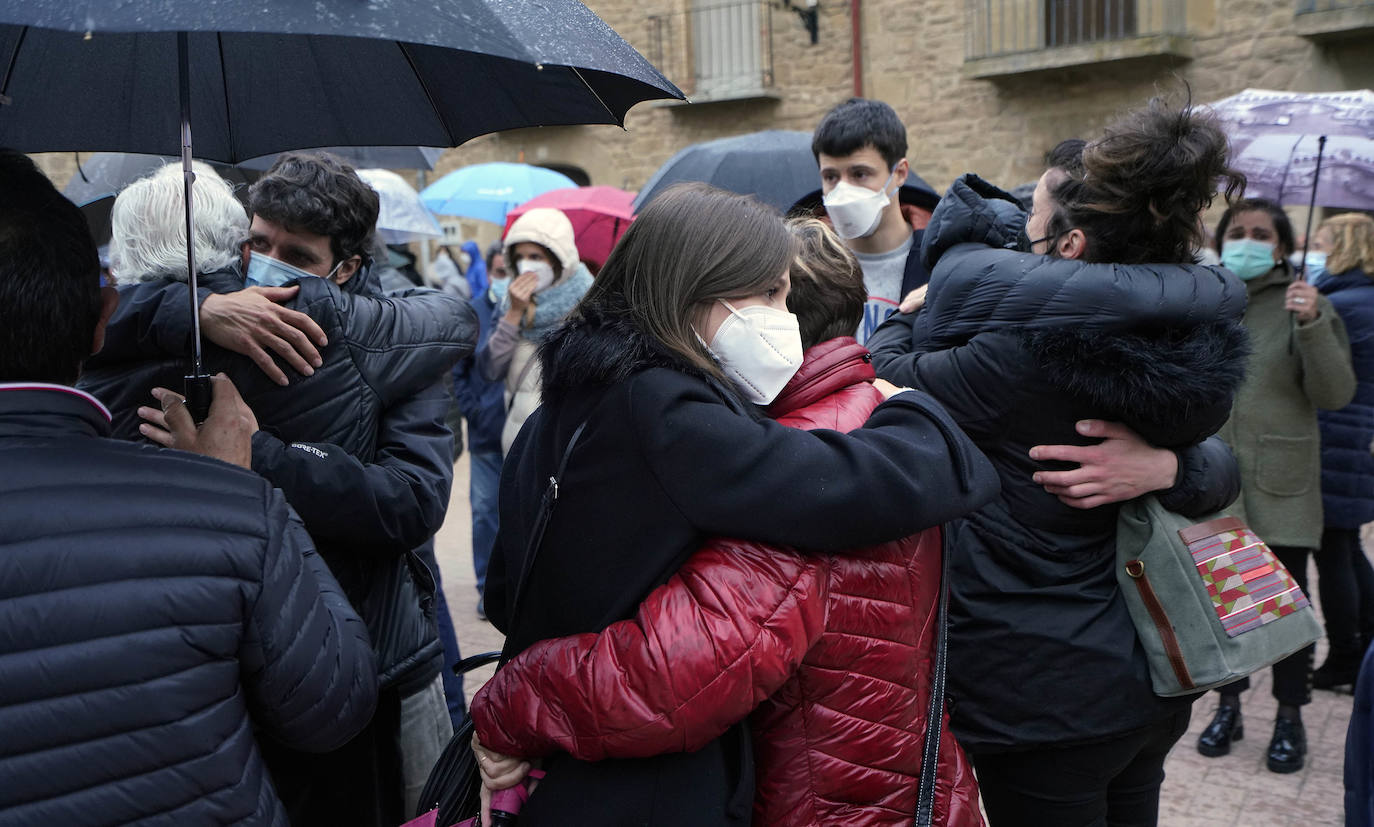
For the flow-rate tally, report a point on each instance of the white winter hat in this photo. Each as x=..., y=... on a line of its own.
x=550, y=229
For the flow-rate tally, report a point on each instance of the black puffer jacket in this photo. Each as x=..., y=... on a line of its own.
x=1018, y=348
x=359, y=448
x=156, y=610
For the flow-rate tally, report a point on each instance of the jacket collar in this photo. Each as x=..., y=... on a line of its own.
x=39, y=409
x=826, y=368
x=1334, y=283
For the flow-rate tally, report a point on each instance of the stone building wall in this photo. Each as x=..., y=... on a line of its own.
x=913, y=55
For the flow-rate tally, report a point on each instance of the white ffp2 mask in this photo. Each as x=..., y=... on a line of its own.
x=856, y=211
x=543, y=272
x=760, y=348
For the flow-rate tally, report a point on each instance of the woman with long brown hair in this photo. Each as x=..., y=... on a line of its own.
x=661, y=368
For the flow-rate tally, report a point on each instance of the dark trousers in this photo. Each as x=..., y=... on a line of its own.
x=1113, y=782
x=358, y=784
x=1346, y=581
x=1293, y=674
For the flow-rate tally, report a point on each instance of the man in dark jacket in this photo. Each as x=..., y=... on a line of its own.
x=161, y=614
x=359, y=448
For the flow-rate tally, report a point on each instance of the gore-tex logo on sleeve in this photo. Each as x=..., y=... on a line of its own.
x=310, y=449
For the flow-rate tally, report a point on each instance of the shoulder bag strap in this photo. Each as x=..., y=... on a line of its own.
x=541, y=522
x=935, y=713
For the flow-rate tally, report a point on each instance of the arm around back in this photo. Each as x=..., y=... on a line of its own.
x=404, y=343
x=308, y=666
x=908, y=468
x=704, y=649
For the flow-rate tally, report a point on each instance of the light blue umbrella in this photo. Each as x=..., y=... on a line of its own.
x=489, y=191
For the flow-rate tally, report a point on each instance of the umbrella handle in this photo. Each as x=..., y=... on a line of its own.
x=198, y=395
x=1311, y=208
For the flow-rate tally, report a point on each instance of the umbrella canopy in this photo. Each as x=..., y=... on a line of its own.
x=1255, y=113
x=775, y=166
x=403, y=217
x=1283, y=168
x=103, y=74
x=369, y=157
x=599, y=216
x=102, y=176
x=489, y=191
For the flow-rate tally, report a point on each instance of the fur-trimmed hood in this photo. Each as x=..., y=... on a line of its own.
x=602, y=346
x=1171, y=384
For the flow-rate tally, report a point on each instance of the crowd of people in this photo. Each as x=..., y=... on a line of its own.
x=786, y=521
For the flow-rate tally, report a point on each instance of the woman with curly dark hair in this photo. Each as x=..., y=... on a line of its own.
x=1104, y=334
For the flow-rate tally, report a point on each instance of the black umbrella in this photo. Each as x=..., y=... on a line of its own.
x=775, y=166
x=366, y=157
x=253, y=78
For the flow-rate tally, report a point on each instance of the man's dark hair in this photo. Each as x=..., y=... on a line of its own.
x=858, y=123
x=319, y=194
x=49, y=278
x=1068, y=156
x=1282, y=226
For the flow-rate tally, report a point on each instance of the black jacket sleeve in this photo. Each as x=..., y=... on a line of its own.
x=1208, y=479
x=908, y=468
x=153, y=320
x=389, y=505
x=403, y=344
x=894, y=349
x=307, y=661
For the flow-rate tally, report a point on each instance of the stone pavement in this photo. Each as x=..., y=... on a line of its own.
x=1198, y=792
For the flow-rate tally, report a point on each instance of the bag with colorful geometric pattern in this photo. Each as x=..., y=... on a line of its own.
x=1210, y=601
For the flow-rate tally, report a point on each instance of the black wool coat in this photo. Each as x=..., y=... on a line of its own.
x=668, y=458
x=1018, y=348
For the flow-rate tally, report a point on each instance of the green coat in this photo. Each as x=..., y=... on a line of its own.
x=1273, y=424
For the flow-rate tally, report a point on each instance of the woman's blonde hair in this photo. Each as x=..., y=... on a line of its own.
x=1352, y=243
x=828, y=293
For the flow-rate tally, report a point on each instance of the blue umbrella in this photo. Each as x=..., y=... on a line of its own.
x=489, y=191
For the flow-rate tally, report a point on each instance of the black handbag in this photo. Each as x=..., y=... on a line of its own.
x=454, y=785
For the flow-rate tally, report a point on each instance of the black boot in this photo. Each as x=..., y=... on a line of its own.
x=1340, y=669
x=1226, y=726
x=1288, y=748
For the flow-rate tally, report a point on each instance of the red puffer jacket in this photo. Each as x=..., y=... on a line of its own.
x=837, y=648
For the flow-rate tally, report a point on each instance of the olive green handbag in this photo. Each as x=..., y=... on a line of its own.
x=1210, y=601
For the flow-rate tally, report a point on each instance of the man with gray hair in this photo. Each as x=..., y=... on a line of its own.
x=356, y=441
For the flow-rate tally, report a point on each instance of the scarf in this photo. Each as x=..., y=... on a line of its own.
x=550, y=304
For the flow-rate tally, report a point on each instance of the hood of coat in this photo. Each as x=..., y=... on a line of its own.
x=973, y=211
x=1162, y=382
x=550, y=229
x=979, y=284
x=826, y=368
x=602, y=346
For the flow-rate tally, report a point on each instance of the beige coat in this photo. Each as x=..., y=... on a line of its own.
x=1273, y=424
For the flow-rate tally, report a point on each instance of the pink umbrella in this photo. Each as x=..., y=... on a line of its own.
x=599, y=215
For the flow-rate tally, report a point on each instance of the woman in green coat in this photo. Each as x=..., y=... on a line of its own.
x=1299, y=362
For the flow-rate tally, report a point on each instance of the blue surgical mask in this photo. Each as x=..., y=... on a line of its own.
x=265, y=271
x=1314, y=267
x=1247, y=258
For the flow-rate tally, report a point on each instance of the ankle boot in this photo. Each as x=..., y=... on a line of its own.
x=1288, y=747
x=1226, y=726
x=1340, y=669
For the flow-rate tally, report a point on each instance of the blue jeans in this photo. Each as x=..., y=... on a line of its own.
x=484, y=481
x=452, y=683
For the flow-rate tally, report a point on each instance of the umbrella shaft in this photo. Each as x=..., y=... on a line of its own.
x=189, y=177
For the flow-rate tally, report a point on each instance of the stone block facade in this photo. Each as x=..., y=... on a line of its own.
x=915, y=54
